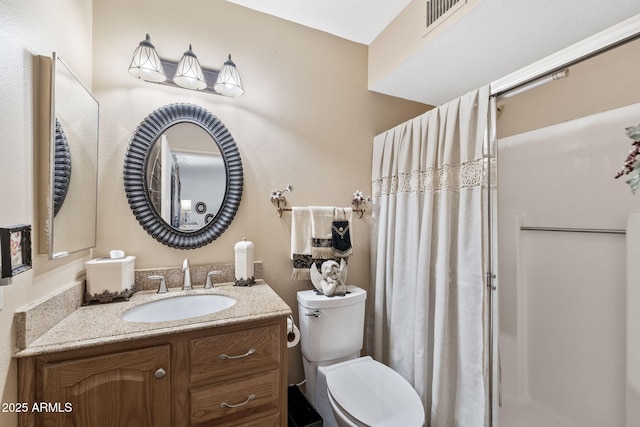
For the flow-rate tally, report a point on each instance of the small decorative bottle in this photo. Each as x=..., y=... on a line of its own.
x=244, y=263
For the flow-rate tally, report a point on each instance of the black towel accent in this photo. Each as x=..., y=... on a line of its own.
x=341, y=239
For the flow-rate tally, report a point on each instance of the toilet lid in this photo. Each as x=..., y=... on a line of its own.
x=374, y=394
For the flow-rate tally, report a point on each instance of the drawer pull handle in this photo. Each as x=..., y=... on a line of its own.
x=229, y=405
x=248, y=353
x=160, y=373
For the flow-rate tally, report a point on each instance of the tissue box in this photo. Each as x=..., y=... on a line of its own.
x=111, y=276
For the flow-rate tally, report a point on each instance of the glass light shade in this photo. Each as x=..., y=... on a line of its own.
x=185, y=205
x=189, y=74
x=229, y=82
x=146, y=64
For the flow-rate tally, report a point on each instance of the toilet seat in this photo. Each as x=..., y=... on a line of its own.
x=372, y=394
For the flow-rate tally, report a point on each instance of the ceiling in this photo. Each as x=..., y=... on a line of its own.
x=357, y=20
x=496, y=38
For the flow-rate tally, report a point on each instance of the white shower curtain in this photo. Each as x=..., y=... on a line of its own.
x=426, y=312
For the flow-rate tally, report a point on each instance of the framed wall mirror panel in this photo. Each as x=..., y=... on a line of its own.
x=68, y=120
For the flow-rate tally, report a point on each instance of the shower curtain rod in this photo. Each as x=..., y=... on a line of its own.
x=576, y=230
x=603, y=41
x=534, y=84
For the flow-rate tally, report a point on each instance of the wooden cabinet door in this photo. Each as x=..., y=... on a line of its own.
x=117, y=390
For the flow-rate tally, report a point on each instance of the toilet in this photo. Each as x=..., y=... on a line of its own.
x=348, y=390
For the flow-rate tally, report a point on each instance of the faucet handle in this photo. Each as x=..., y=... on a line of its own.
x=208, y=284
x=162, y=288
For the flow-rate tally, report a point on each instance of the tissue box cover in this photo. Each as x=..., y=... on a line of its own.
x=111, y=275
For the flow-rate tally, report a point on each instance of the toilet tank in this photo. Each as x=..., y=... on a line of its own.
x=331, y=327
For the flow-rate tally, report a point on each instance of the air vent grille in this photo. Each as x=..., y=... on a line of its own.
x=439, y=10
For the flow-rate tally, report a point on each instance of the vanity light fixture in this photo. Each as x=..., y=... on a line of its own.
x=187, y=73
x=146, y=64
x=229, y=82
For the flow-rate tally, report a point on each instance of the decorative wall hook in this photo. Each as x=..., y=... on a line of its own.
x=359, y=201
x=278, y=198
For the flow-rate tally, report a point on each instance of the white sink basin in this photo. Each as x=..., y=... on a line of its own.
x=179, y=307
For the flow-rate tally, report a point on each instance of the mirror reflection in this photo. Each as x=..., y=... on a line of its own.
x=62, y=168
x=186, y=177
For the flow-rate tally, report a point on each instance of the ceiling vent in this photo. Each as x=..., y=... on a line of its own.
x=439, y=10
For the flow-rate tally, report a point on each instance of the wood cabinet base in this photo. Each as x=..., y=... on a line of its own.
x=231, y=375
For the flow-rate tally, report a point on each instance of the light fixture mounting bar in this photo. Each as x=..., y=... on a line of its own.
x=210, y=75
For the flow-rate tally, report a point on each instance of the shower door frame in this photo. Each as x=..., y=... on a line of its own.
x=608, y=39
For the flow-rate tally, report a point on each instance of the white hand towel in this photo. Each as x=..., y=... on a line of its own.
x=321, y=241
x=301, y=242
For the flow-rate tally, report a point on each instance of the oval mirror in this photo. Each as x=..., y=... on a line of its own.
x=183, y=176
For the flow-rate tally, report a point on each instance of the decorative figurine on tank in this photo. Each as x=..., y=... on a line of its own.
x=331, y=279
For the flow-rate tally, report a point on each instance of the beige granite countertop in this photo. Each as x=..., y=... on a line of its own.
x=99, y=324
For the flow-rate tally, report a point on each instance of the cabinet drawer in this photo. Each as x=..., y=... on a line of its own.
x=230, y=402
x=259, y=420
x=225, y=356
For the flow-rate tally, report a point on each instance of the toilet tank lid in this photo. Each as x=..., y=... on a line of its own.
x=311, y=299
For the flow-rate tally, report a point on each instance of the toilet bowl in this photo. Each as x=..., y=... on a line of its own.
x=348, y=390
x=364, y=392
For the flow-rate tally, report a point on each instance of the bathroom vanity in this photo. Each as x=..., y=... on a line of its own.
x=225, y=369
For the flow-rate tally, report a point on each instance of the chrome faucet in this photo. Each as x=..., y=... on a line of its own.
x=186, y=283
x=162, y=288
x=208, y=284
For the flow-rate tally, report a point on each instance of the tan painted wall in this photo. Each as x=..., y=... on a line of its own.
x=30, y=28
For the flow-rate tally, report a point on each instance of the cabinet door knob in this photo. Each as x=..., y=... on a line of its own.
x=160, y=373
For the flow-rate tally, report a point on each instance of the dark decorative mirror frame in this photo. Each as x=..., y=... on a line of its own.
x=135, y=171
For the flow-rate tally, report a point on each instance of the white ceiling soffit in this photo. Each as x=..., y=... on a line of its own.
x=357, y=20
x=495, y=39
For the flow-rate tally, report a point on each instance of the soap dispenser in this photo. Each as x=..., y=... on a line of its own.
x=244, y=263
